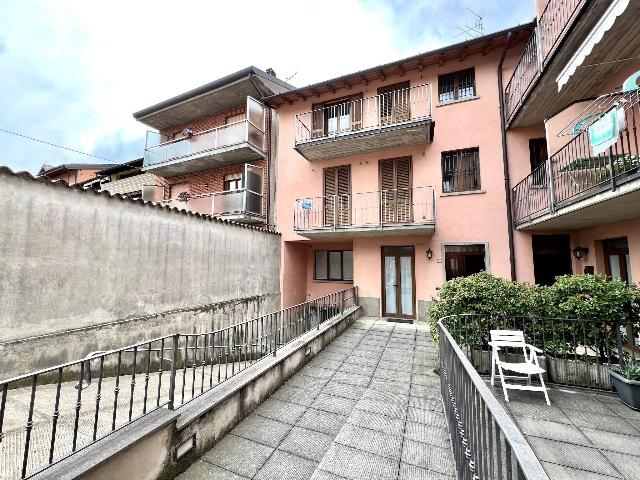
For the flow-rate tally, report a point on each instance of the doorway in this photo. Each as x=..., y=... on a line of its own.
x=398, y=282
x=616, y=259
x=551, y=257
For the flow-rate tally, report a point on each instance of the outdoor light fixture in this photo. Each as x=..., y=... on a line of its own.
x=429, y=253
x=580, y=252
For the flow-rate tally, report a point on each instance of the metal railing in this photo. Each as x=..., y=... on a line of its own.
x=576, y=352
x=402, y=206
x=237, y=201
x=382, y=110
x=84, y=398
x=545, y=38
x=486, y=443
x=574, y=172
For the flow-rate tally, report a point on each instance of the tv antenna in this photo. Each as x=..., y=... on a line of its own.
x=475, y=30
x=290, y=77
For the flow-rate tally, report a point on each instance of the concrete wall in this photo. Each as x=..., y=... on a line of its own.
x=81, y=271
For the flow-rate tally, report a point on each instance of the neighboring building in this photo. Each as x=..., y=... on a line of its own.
x=397, y=178
x=392, y=178
x=127, y=179
x=568, y=196
x=71, y=173
x=212, y=148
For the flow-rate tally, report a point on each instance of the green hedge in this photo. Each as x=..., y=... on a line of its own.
x=591, y=297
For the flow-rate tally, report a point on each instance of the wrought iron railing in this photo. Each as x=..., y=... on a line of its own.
x=545, y=38
x=402, y=206
x=486, y=442
x=575, y=172
x=576, y=352
x=88, y=399
x=360, y=115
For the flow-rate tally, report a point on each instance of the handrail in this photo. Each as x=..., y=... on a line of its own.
x=472, y=410
x=198, y=363
x=195, y=134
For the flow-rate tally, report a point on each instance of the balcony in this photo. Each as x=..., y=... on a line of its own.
x=243, y=206
x=392, y=119
x=579, y=186
x=407, y=211
x=231, y=144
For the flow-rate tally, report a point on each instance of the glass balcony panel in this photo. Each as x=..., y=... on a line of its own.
x=253, y=178
x=254, y=203
x=204, y=142
x=256, y=137
x=255, y=113
x=232, y=134
x=228, y=202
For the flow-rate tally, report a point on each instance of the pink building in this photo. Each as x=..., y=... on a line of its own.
x=210, y=150
x=399, y=177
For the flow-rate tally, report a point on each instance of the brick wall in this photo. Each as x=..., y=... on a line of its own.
x=203, y=123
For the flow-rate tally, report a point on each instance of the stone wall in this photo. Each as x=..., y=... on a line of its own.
x=82, y=271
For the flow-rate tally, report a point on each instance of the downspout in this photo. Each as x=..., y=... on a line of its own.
x=505, y=160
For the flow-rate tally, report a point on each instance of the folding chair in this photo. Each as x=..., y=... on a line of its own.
x=530, y=366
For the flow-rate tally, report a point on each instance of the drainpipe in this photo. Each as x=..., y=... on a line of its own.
x=505, y=159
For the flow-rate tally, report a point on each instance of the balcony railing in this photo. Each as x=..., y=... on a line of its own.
x=238, y=202
x=575, y=172
x=384, y=110
x=92, y=397
x=368, y=210
x=551, y=28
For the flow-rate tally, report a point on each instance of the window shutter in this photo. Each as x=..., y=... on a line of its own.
x=356, y=112
x=317, y=120
x=395, y=183
x=337, y=187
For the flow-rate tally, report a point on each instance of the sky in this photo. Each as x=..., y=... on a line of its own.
x=73, y=72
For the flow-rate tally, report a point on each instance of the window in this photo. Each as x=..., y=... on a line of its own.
x=457, y=86
x=334, y=265
x=461, y=170
x=232, y=181
x=463, y=260
x=338, y=116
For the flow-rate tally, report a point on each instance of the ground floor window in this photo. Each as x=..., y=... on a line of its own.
x=464, y=260
x=333, y=265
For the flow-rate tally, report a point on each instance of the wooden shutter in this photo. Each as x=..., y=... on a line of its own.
x=317, y=120
x=395, y=184
x=356, y=112
x=394, y=103
x=337, y=189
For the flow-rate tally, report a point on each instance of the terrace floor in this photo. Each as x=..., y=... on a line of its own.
x=584, y=435
x=366, y=407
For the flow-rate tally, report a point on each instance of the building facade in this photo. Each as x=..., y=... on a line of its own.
x=211, y=148
x=71, y=173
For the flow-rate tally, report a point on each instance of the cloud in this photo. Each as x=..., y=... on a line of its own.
x=77, y=73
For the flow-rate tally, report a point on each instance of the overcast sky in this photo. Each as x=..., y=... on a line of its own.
x=73, y=72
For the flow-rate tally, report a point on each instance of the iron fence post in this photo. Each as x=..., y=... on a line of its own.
x=172, y=376
x=612, y=167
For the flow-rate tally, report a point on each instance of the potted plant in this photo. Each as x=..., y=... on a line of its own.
x=626, y=380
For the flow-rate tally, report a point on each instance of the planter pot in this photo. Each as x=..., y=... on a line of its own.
x=628, y=390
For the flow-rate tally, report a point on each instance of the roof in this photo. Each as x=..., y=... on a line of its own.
x=121, y=167
x=122, y=197
x=49, y=169
x=212, y=86
x=439, y=56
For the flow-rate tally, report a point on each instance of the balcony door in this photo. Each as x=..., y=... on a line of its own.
x=398, y=289
x=337, y=196
x=395, y=188
x=337, y=116
x=394, y=103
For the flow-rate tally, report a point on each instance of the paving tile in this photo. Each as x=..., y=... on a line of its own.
x=426, y=378
x=627, y=465
x=306, y=443
x=262, y=430
x=377, y=421
x=391, y=398
x=312, y=384
x=553, y=430
x=395, y=375
x=282, y=411
x=411, y=472
x=561, y=472
x=600, y=422
x=371, y=441
x=330, y=403
x=321, y=421
x=366, y=370
x=427, y=403
x=375, y=406
x=389, y=386
x=574, y=456
x=614, y=442
x=202, y=470
x=328, y=363
x=625, y=412
x=426, y=417
x=350, y=378
x=238, y=455
x=343, y=390
x=428, y=457
x=358, y=465
x=299, y=396
x=358, y=360
x=394, y=365
x=332, y=355
x=316, y=372
x=285, y=466
x=420, y=432
x=543, y=412
x=425, y=391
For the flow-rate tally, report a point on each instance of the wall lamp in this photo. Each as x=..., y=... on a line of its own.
x=429, y=253
x=580, y=252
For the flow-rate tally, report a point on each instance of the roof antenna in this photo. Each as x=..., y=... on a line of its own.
x=291, y=76
x=475, y=30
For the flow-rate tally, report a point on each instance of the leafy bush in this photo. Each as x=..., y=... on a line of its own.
x=483, y=302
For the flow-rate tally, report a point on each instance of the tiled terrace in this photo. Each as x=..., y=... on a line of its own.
x=584, y=435
x=366, y=407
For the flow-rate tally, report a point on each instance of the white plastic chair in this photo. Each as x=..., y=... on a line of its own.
x=530, y=366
